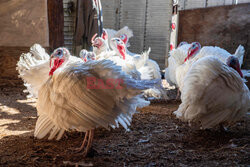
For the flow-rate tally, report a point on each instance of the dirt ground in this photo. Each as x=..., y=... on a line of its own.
x=156, y=138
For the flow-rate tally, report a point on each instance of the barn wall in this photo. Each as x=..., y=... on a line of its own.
x=23, y=23
x=37, y=19
x=149, y=20
x=226, y=27
x=194, y=4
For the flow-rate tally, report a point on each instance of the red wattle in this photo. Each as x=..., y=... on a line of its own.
x=190, y=54
x=121, y=50
x=125, y=40
x=57, y=63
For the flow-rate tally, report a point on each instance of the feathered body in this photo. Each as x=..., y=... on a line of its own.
x=220, y=53
x=65, y=101
x=175, y=59
x=213, y=93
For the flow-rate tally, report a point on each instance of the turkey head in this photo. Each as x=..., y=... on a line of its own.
x=118, y=45
x=233, y=62
x=193, y=50
x=99, y=42
x=87, y=56
x=57, y=58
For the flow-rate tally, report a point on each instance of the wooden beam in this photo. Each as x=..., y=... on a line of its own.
x=56, y=23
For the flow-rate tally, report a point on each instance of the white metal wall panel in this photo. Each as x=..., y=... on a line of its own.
x=228, y=2
x=133, y=15
x=157, y=30
x=192, y=4
x=149, y=20
x=211, y=3
x=111, y=10
x=243, y=1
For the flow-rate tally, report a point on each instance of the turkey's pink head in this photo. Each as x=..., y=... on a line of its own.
x=233, y=62
x=87, y=56
x=193, y=50
x=124, y=38
x=182, y=43
x=99, y=41
x=57, y=58
x=118, y=45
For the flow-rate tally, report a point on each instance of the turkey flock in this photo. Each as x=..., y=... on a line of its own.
x=104, y=87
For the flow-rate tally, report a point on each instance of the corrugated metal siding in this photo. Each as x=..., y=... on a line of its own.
x=157, y=35
x=69, y=26
x=149, y=20
x=133, y=15
x=194, y=4
x=111, y=10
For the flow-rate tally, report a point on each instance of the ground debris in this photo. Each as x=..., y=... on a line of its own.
x=156, y=138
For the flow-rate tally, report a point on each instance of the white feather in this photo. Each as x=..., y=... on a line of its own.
x=65, y=102
x=213, y=93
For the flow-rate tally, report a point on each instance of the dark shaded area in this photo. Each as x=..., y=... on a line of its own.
x=224, y=26
x=8, y=60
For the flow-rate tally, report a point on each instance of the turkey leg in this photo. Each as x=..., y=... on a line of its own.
x=90, y=141
x=87, y=142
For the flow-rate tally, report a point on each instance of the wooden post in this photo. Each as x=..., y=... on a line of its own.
x=56, y=23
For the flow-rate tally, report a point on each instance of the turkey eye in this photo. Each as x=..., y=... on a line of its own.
x=59, y=52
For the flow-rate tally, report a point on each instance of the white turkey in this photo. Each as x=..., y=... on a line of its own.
x=102, y=51
x=33, y=68
x=149, y=62
x=220, y=53
x=177, y=71
x=181, y=70
x=123, y=32
x=213, y=92
x=77, y=96
x=141, y=63
x=176, y=58
x=86, y=55
x=100, y=44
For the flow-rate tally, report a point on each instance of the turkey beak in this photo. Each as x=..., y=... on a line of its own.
x=52, y=56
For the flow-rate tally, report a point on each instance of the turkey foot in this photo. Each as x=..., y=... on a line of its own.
x=77, y=150
x=90, y=141
x=86, y=144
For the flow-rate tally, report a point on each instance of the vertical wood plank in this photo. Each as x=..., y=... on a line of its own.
x=56, y=23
